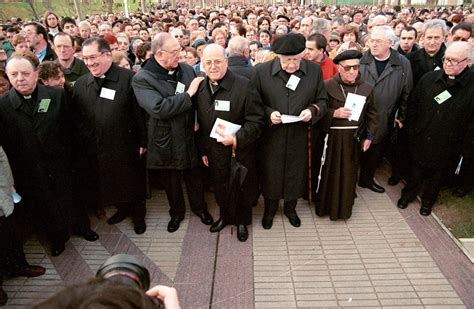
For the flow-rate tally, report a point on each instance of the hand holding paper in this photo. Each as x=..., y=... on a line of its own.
x=355, y=103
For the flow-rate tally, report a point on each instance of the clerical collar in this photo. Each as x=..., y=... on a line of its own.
x=171, y=72
x=451, y=77
x=27, y=97
x=382, y=59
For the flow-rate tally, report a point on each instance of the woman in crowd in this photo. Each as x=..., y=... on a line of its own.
x=121, y=59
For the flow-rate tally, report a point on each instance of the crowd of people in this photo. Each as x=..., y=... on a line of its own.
x=283, y=101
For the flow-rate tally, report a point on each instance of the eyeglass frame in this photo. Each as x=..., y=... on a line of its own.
x=454, y=62
x=347, y=68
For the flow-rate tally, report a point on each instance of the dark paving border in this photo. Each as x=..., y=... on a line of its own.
x=452, y=262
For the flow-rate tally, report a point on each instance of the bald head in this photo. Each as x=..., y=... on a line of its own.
x=214, y=61
x=456, y=58
x=22, y=74
x=161, y=39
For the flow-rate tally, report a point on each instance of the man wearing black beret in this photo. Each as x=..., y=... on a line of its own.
x=342, y=136
x=289, y=86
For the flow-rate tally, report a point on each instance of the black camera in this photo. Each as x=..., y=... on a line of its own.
x=125, y=269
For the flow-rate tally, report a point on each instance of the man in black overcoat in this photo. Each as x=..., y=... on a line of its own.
x=220, y=95
x=36, y=135
x=288, y=85
x=112, y=138
x=164, y=89
x=440, y=124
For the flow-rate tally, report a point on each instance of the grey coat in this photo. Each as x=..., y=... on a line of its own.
x=391, y=89
x=6, y=183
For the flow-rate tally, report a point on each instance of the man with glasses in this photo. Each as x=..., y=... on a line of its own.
x=339, y=149
x=289, y=86
x=112, y=138
x=390, y=73
x=64, y=48
x=164, y=89
x=220, y=95
x=439, y=124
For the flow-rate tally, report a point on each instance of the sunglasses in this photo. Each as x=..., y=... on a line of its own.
x=347, y=68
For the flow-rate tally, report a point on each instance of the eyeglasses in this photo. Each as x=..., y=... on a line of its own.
x=91, y=58
x=453, y=61
x=347, y=68
x=217, y=63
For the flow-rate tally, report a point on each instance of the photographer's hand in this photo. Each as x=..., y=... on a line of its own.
x=166, y=294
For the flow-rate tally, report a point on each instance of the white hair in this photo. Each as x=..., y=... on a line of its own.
x=388, y=32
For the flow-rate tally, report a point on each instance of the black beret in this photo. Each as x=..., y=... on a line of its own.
x=289, y=44
x=347, y=54
x=283, y=16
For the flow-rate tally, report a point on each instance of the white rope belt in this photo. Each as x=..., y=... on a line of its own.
x=344, y=128
x=323, y=160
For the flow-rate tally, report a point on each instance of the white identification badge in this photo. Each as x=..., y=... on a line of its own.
x=437, y=68
x=107, y=93
x=293, y=82
x=443, y=96
x=179, y=88
x=223, y=106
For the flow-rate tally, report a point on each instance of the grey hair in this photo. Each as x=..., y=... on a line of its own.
x=19, y=57
x=237, y=45
x=465, y=47
x=159, y=40
x=435, y=23
x=387, y=30
x=321, y=25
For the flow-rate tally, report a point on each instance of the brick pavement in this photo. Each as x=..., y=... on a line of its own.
x=381, y=257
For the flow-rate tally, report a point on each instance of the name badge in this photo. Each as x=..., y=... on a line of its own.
x=442, y=97
x=44, y=105
x=293, y=82
x=223, y=106
x=107, y=93
x=179, y=88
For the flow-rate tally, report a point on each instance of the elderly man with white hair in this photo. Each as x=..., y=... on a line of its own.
x=439, y=124
x=391, y=75
x=220, y=96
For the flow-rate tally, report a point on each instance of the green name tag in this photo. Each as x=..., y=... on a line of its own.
x=443, y=96
x=179, y=88
x=44, y=105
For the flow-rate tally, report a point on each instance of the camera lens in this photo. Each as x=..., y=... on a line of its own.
x=125, y=269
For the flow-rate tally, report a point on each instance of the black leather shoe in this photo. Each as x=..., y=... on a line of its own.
x=218, y=225
x=294, y=219
x=29, y=271
x=242, y=232
x=140, y=226
x=3, y=297
x=373, y=187
x=394, y=180
x=267, y=222
x=205, y=218
x=118, y=217
x=57, y=248
x=425, y=210
x=89, y=235
x=173, y=225
x=402, y=203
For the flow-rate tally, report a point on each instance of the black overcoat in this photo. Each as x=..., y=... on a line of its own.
x=38, y=145
x=422, y=64
x=439, y=131
x=110, y=133
x=246, y=109
x=171, y=116
x=284, y=147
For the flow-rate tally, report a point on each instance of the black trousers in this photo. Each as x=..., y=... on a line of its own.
x=171, y=181
x=136, y=210
x=271, y=206
x=369, y=162
x=426, y=179
x=12, y=256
